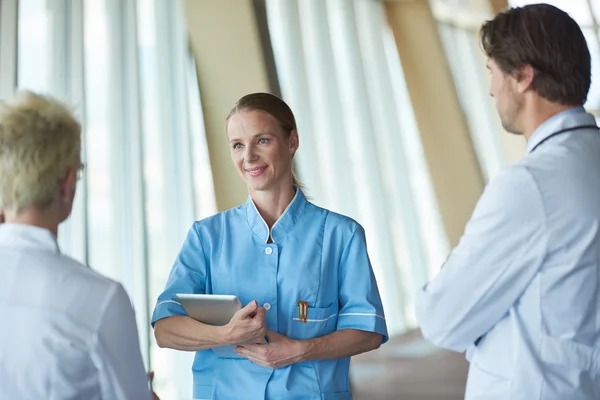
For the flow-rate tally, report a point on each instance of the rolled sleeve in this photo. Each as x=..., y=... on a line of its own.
x=188, y=275
x=167, y=308
x=360, y=303
x=365, y=322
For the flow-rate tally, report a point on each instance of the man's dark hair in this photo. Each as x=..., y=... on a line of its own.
x=549, y=40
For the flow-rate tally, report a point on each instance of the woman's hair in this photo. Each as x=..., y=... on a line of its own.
x=273, y=106
x=549, y=40
x=40, y=140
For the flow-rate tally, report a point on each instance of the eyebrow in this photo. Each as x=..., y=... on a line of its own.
x=254, y=136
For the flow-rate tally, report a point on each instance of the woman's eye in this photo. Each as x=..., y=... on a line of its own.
x=237, y=146
x=263, y=141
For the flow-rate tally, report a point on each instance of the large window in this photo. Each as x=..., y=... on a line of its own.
x=458, y=25
x=360, y=149
x=127, y=70
x=8, y=46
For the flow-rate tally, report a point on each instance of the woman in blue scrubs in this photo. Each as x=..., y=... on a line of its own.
x=303, y=273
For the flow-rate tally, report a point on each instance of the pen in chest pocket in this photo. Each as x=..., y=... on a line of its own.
x=302, y=311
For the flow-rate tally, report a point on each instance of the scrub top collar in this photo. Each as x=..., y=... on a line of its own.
x=283, y=225
x=28, y=236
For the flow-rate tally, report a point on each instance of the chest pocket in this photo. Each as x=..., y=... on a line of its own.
x=319, y=322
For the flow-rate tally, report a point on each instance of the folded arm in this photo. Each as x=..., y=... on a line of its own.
x=499, y=254
x=282, y=351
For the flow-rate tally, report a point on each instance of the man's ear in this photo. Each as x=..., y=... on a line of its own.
x=525, y=75
x=67, y=187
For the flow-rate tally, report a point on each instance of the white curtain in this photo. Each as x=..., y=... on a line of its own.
x=126, y=68
x=8, y=46
x=360, y=152
x=467, y=64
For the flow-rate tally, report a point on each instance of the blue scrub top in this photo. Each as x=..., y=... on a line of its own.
x=316, y=256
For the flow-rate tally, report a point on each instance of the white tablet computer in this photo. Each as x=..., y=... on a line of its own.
x=212, y=309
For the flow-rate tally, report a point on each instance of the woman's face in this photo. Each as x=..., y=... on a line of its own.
x=260, y=150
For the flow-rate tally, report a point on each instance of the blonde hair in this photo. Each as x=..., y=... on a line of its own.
x=40, y=140
x=277, y=108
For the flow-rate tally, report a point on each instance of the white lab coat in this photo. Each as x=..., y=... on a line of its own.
x=65, y=332
x=521, y=291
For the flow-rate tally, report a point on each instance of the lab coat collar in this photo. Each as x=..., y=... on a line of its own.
x=571, y=118
x=27, y=236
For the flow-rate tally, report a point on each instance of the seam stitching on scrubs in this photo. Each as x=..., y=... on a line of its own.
x=342, y=315
x=363, y=315
x=282, y=215
x=340, y=278
x=168, y=301
x=316, y=320
x=207, y=272
x=322, y=255
x=258, y=214
x=263, y=221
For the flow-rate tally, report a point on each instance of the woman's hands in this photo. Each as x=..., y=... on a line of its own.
x=280, y=352
x=179, y=332
x=248, y=325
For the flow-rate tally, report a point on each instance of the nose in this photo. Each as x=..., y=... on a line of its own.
x=250, y=154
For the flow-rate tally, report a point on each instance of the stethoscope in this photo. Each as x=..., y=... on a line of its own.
x=575, y=128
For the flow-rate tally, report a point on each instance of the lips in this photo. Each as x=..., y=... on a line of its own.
x=257, y=171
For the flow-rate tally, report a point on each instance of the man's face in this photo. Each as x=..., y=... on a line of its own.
x=509, y=102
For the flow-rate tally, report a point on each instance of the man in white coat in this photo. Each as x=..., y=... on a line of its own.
x=66, y=331
x=521, y=291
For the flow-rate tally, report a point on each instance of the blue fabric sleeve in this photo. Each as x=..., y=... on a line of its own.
x=360, y=302
x=188, y=275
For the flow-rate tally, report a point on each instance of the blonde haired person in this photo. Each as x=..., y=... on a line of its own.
x=302, y=272
x=68, y=332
